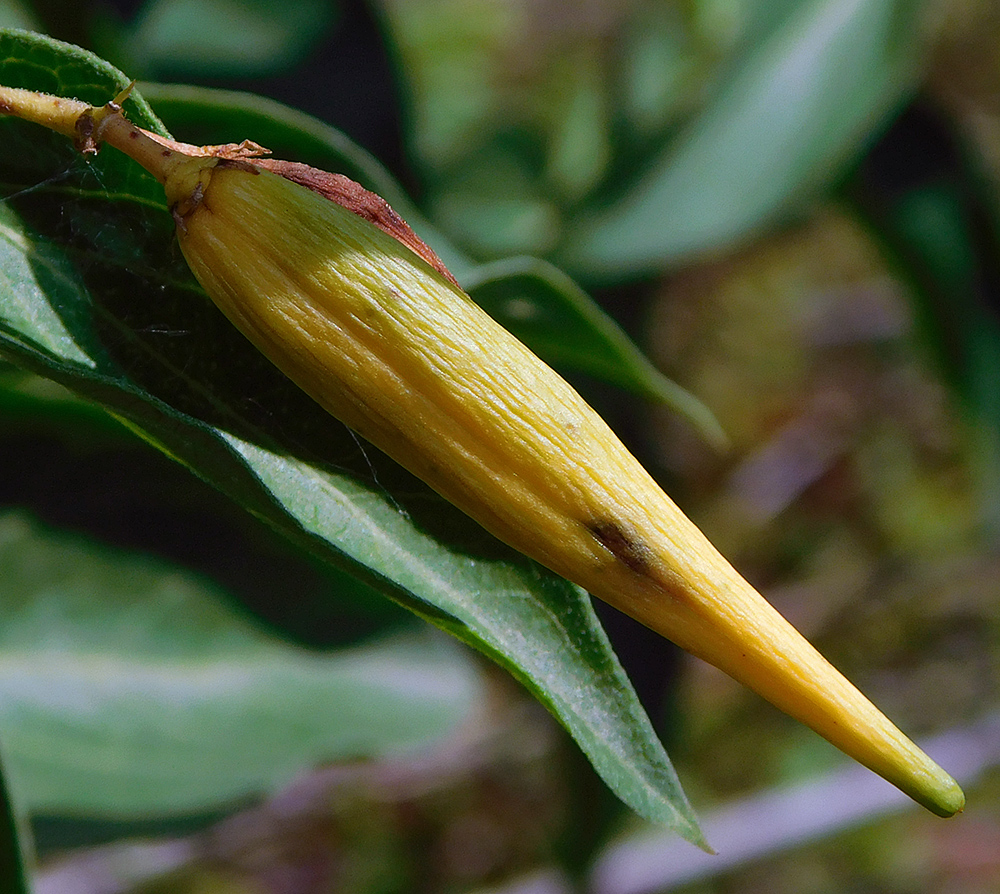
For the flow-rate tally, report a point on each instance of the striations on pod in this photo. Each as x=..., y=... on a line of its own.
x=337, y=291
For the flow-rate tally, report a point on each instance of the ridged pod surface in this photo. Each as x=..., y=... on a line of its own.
x=340, y=295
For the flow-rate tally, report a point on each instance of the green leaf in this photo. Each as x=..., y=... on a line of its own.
x=25, y=396
x=934, y=230
x=122, y=322
x=799, y=107
x=128, y=687
x=541, y=305
x=13, y=873
x=221, y=38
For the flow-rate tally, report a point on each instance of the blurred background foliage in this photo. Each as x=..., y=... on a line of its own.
x=793, y=207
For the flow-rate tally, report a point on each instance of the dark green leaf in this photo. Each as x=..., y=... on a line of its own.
x=120, y=320
x=25, y=396
x=939, y=233
x=13, y=875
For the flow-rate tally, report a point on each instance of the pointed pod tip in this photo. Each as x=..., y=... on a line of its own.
x=945, y=799
x=928, y=784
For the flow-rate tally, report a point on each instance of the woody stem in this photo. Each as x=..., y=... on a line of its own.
x=89, y=127
x=140, y=145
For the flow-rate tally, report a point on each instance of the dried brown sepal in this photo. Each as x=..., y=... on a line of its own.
x=247, y=149
x=355, y=198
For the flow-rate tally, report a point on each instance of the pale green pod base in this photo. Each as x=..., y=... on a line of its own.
x=387, y=345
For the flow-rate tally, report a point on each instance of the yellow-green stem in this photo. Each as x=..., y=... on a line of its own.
x=53, y=112
x=89, y=127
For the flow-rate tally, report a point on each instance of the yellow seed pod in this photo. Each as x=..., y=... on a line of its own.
x=340, y=295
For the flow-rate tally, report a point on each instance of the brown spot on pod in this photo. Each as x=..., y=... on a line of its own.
x=622, y=544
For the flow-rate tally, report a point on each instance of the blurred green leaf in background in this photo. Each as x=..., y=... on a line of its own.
x=153, y=687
